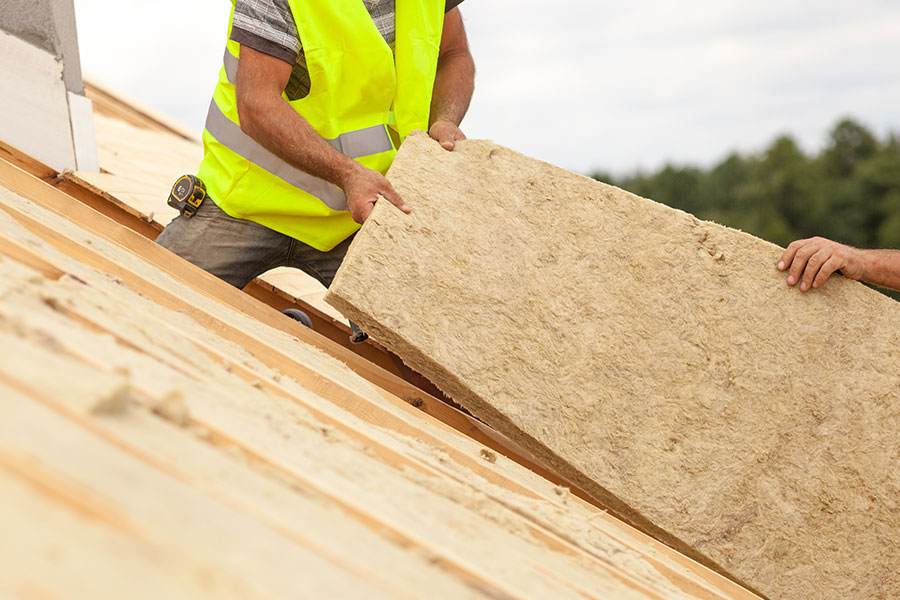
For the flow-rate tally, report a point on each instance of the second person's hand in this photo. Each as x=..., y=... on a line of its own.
x=811, y=262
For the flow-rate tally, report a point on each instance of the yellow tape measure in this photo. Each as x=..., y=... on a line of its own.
x=187, y=195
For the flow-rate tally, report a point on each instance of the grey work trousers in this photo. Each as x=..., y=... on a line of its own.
x=237, y=251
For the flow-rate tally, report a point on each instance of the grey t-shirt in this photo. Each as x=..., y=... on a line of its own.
x=268, y=26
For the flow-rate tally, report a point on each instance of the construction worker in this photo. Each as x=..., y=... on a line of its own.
x=811, y=262
x=312, y=102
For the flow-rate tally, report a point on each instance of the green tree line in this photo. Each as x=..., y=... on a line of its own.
x=849, y=192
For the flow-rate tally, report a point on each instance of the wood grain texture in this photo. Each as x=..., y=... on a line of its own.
x=658, y=361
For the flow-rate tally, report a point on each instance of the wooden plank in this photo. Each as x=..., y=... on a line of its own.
x=29, y=258
x=299, y=517
x=150, y=204
x=52, y=548
x=106, y=204
x=108, y=106
x=234, y=549
x=33, y=359
x=134, y=145
x=25, y=162
x=119, y=184
x=300, y=285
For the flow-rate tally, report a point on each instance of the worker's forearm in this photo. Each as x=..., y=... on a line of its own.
x=453, y=87
x=881, y=267
x=284, y=132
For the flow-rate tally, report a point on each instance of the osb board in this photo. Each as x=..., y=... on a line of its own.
x=252, y=478
x=658, y=361
x=126, y=149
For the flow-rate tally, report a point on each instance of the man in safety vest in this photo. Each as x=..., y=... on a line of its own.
x=312, y=102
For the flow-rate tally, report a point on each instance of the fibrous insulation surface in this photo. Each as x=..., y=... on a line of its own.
x=657, y=360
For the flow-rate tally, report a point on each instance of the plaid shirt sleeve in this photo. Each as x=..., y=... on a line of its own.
x=267, y=26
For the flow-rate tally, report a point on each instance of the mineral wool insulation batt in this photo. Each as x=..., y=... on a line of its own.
x=658, y=361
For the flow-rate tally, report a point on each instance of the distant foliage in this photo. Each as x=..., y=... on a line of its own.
x=850, y=192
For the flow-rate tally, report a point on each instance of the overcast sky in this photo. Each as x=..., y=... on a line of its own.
x=582, y=83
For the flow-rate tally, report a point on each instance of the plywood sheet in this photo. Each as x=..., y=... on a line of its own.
x=658, y=361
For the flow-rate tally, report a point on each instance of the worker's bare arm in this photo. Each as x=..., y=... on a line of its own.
x=268, y=118
x=811, y=262
x=454, y=83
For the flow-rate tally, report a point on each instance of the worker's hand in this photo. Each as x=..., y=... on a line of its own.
x=363, y=187
x=810, y=262
x=447, y=133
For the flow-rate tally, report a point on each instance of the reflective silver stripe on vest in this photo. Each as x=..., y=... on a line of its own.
x=229, y=133
x=231, y=66
x=354, y=144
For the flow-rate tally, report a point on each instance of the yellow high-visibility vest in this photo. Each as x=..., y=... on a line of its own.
x=364, y=99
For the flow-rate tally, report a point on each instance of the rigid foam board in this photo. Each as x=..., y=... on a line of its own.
x=658, y=361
